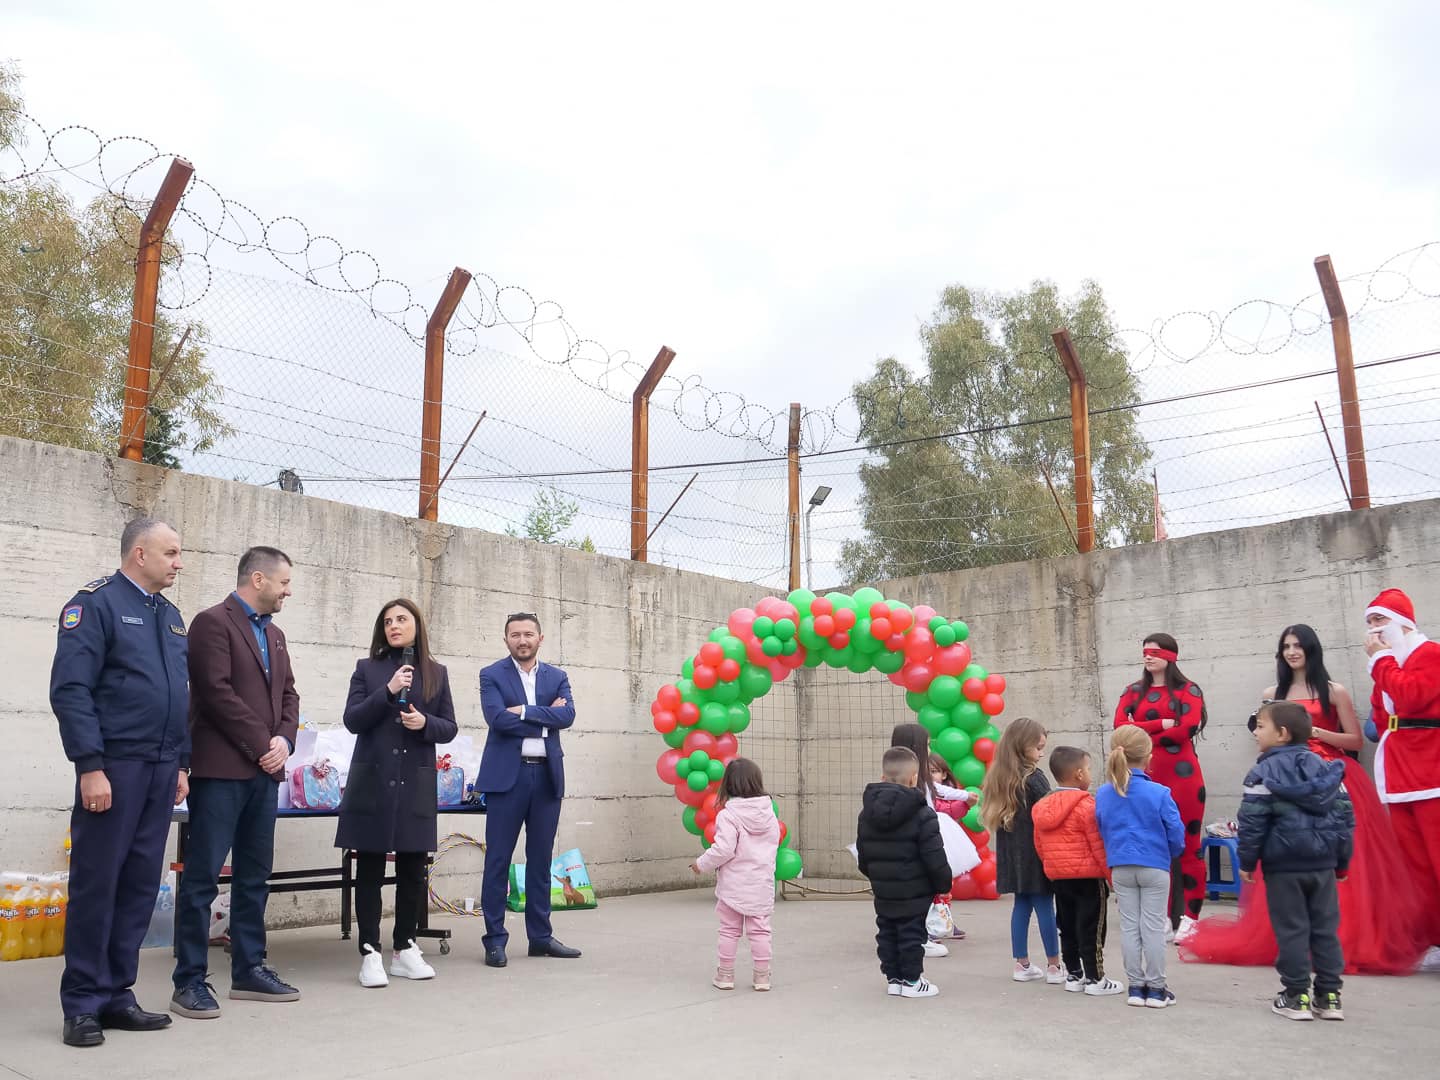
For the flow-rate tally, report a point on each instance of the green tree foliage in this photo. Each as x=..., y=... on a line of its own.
x=550, y=515
x=66, y=292
x=976, y=500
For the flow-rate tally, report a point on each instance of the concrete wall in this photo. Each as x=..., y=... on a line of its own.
x=1066, y=632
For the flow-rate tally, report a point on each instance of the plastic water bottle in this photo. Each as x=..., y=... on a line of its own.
x=161, y=933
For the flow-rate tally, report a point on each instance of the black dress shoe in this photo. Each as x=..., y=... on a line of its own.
x=83, y=1030
x=553, y=948
x=134, y=1018
x=495, y=957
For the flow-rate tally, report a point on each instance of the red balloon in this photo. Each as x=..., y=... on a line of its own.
x=820, y=606
x=980, y=839
x=668, y=697
x=918, y=677
x=699, y=740
x=688, y=714
x=902, y=620
x=951, y=660
x=778, y=671
x=769, y=607
x=665, y=722
x=897, y=677
x=990, y=892
x=755, y=654
x=707, y=805
x=964, y=887
x=729, y=670
x=702, y=818
x=740, y=621
x=984, y=750
x=784, y=831
x=788, y=611
x=845, y=618
x=824, y=625
x=705, y=676
x=665, y=766
x=995, y=684
x=919, y=643
x=880, y=628
x=839, y=640
x=984, y=874
x=711, y=654
x=726, y=746
x=974, y=689
x=688, y=797
x=924, y=613
x=992, y=704
x=895, y=643
x=656, y=708
x=794, y=660
x=709, y=831
x=879, y=610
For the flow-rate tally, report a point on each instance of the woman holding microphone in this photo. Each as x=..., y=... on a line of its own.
x=399, y=707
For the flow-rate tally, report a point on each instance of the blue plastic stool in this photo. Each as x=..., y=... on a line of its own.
x=1210, y=851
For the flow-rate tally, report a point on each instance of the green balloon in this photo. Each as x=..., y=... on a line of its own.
x=915, y=701
x=968, y=717
x=687, y=818
x=725, y=692
x=720, y=633
x=937, y=622
x=974, y=671
x=969, y=770
x=944, y=691
x=975, y=795
x=698, y=780
x=807, y=634
x=787, y=864
x=814, y=657
x=675, y=739
x=763, y=627
x=933, y=719
x=839, y=658
x=953, y=745
x=859, y=663
x=688, y=690
x=887, y=663
x=944, y=634
x=715, y=718
x=840, y=600
x=771, y=646
x=790, y=648
x=867, y=598
x=733, y=648
x=682, y=768
x=802, y=599
x=698, y=759
x=715, y=770
x=862, y=639
x=989, y=731
x=755, y=681
x=961, y=630
x=899, y=605
x=738, y=716
x=688, y=667
x=972, y=819
x=785, y=629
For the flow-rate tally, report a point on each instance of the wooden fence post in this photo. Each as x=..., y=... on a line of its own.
x=142, y=318
x=433, y=405
x=1080, y=435
x=640, y=454
x=1349, y=394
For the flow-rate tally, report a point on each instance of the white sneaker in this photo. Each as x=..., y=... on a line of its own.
x=1431, y=960
x=1074, y=985
x=1169, y=934
x=1029, y=973
x=921, y=987
x=1055, y=975
x=372, y=969
x=893, y=987
x=409, y=964
x=934, y=949
x=1102, y=988
x=1187, y=929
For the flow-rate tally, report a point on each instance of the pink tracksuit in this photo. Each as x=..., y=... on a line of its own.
x=747, y=835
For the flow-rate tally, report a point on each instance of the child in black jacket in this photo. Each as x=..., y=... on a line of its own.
x=900, y=851
x=1297, y=823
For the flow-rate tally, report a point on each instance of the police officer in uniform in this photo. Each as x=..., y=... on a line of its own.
x=119, y=687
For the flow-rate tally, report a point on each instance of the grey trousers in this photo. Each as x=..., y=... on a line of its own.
x=1143, y=895
x=1305, y=913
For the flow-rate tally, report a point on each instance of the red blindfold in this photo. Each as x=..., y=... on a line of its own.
x=1163, y=654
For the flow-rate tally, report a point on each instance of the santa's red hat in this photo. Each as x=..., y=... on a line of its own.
x=1396, y=606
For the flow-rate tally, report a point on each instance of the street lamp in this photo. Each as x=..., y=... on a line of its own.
x=821, y=494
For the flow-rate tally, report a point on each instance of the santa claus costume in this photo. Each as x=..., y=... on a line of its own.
x=1405, y=668
x=1171, y=710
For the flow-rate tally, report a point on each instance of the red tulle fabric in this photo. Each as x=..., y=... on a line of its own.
x=1380, y=908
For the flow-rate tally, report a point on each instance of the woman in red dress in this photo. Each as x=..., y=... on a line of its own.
x=1171, y=710
x=1379, y=907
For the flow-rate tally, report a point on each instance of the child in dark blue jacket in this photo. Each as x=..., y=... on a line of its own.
x=1297, y=823
x=1140, y=825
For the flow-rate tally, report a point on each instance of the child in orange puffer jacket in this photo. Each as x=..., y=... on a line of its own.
x=1068, y=841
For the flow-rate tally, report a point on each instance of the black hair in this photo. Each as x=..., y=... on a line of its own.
x=917, y=740
x=1065, y=760
x=264, y=559
x=523, y=616
x=1175, y=679
x=1289, y=716
x=1316, y=677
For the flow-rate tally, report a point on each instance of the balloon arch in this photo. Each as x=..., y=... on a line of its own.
x=701, y=713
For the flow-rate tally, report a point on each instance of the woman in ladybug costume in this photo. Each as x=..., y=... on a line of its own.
x=1171, y=710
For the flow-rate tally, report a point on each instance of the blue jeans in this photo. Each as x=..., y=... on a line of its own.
x=1043, y=907
x=225, y=815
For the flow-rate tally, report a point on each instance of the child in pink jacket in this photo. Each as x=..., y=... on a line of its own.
x=747, y=836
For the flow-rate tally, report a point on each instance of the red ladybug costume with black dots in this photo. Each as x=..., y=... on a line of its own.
x=1175, y=765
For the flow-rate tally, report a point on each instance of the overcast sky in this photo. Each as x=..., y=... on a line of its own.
x=779, y=191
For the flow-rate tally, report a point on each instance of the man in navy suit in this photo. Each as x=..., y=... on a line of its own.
x=522, y=773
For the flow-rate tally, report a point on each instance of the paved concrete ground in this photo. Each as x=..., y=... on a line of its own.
x=639, y=1004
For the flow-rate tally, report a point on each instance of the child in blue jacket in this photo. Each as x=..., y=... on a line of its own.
x=1140, y=825
x=1297, y=824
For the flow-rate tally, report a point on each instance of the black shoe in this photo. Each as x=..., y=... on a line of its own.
x=553, y=948
x=1292, y=1005
x=495, y=956
x=83, y=1030
x=1327, y=1006
x=262, y=984
x=134, y=1018
x=197, y=1001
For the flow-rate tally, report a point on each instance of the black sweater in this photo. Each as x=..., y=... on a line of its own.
x=898, y=839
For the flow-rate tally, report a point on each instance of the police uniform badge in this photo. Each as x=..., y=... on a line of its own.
x=71, y=616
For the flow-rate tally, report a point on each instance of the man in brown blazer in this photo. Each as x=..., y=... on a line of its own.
x=244, y=713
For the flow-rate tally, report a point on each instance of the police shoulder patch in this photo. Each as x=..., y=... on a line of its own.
x=71, y=616
x=177, y=629
x=91, y=586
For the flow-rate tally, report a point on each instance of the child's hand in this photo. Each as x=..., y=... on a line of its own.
x=1247, y=877
x=1342, y=875
x=694, y=869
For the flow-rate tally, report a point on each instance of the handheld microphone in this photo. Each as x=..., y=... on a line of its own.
x=406, y=658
